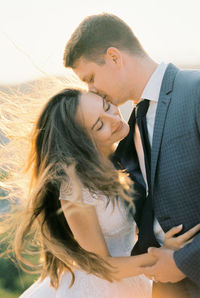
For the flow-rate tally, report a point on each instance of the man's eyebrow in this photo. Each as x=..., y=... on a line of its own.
x=93, y=126
x=84, y=79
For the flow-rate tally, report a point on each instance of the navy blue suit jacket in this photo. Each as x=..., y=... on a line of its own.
x=175, y=165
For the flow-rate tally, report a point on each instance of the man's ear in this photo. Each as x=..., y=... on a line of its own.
x=114, y=56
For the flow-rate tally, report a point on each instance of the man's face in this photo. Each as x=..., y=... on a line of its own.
x=107, y=80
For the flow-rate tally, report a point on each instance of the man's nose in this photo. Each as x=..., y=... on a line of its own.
x=92, y=88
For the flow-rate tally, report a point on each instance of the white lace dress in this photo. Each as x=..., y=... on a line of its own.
x=118, y=229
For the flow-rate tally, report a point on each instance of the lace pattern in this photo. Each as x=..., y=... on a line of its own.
x=118, y=229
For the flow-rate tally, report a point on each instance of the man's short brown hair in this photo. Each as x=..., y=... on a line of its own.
x=95, y=35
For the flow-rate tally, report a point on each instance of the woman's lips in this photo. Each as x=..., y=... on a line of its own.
x=119, y=127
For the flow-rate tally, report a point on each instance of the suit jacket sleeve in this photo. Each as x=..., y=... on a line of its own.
x=188, y=260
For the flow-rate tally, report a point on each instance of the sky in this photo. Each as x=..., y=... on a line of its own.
x=33, y=33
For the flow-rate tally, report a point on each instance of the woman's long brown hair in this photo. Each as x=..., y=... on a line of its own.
x=59, y=143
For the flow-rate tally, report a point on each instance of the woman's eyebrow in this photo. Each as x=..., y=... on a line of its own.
x=103, y=102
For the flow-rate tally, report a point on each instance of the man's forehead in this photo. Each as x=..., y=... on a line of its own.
x=82, y=68
x=82, y=63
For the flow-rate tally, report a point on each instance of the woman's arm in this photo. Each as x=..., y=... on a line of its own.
x=84, y=224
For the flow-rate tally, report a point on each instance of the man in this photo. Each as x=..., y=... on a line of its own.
x=104, y=53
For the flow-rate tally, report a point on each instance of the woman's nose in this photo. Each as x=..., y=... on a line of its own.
x=113, y=117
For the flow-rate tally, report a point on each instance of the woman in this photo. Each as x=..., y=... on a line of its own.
x=76, y=209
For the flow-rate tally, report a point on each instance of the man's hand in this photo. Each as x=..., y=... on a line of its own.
x=165, y=269
x=176, y=242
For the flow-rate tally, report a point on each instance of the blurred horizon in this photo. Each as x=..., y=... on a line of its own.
x=69, y=74
x=50, y=84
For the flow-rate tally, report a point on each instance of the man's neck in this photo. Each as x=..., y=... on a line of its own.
x=140, y=71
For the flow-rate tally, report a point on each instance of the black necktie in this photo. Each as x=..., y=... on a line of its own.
x=146, y=237
x=141, y=110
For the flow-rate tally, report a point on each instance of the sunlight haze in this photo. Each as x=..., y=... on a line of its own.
x=33, y=33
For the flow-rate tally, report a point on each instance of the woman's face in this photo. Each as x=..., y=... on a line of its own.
x=103, y=120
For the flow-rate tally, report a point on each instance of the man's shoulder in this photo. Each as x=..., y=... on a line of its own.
x=189, y=76
x=187, y=81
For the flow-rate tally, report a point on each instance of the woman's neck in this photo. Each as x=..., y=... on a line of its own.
x=107, y=152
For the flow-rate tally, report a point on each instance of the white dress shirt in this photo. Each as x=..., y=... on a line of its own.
x=150, y=92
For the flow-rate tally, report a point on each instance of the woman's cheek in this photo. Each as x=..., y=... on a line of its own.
x=105, y=135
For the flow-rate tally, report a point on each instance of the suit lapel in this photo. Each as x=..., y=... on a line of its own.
x=125, y=156
x=161, y=113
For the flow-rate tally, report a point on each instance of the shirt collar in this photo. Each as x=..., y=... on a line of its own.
x=153, y=86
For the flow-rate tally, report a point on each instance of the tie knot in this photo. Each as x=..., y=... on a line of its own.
x=142, y=108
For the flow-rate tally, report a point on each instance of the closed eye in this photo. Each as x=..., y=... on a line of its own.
x=100, y=127
x=91, y=79
x=108, y=107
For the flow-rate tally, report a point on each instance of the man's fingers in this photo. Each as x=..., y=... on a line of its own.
x=189, y=234
x=173, y=231
x=149, y=271
x=154, y=251
x=189, y=241
x=148, y=276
